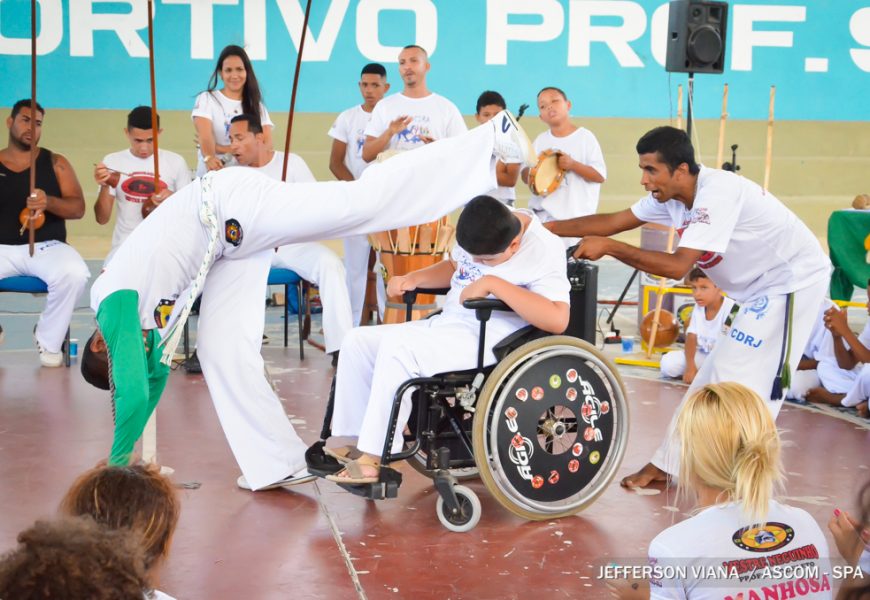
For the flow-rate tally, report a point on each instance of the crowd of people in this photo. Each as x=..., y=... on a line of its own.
x=218, y=235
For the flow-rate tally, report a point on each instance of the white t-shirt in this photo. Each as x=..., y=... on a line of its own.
x=714, y=556
x=297, y=168
x=220, y=110
x=575, y=197
x=136, y=187
x=507, y=194
x=708, y=331
x=433, y=116
x=754, y=245
x=538, y=265
x=350, y=127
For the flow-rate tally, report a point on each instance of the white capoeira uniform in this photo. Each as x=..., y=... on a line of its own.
x=859, y=391
x=163, y=259
x=706, y=331
x=314, y=262
x=350, y=128
x=64, y=273
x=760, y=254
x=375, y=361
x=696, y=549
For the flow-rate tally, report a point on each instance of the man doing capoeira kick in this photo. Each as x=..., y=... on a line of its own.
x=216, y=236
x=746, y=241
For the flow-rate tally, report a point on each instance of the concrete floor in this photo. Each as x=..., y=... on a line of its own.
x=318, y=541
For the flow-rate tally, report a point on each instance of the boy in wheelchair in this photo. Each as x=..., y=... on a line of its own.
x=500, y=252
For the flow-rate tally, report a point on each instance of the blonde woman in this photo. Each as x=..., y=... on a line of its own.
x=730, y=453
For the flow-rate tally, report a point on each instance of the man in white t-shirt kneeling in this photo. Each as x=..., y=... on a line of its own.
x=706, y=326
x=126, y=177
x=413, y=117
x=311, y=260
x=746, y=241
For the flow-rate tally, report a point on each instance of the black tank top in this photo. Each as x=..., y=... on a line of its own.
x=14, y=189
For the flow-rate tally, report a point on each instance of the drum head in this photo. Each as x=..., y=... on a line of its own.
x=546, y=176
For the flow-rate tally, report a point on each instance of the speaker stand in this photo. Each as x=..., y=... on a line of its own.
x=691, y=90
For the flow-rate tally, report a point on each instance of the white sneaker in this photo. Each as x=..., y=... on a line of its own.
x=48, y=359
x=512, y=145
x=300, y=476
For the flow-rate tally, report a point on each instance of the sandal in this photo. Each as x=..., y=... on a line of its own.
x=343, y=454
x=352, y=474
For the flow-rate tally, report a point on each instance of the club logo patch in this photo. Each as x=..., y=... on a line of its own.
x=234, y=233
x=162, y=312
x=767, y=538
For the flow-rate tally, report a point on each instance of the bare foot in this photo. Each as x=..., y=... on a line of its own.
x=820, y=395
x=647, y=475
x=863, y=410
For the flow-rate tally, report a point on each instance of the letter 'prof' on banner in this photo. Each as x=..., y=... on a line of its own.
x=608, y=55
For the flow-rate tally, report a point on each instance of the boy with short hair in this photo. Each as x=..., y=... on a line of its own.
x=500, y=252
x=579, y=155
x=708, y=320
x=489, y=104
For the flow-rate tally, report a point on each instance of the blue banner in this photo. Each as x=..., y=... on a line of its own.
x=608, y=55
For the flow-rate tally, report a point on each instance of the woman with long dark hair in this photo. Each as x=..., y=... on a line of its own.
x=215, y=108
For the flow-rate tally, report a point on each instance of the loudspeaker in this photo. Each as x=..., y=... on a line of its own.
x=697, y=30
x=583, y=276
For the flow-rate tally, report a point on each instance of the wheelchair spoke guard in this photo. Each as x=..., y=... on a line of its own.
x=551, y=427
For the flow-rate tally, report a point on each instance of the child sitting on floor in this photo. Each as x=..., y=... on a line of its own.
x=502, y=253
x=134, y=498
x=708, y=320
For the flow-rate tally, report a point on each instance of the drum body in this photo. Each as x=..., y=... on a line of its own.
x=409, y=249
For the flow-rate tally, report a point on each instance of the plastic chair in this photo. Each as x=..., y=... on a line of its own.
x=286, y=277
x=25, y=284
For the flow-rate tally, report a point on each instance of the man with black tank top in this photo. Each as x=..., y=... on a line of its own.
x=59, y=195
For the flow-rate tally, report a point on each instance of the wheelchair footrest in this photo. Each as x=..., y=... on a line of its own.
x=386, y=487
x=319, y=462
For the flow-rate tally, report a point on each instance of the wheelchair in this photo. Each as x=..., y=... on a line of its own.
x=545, y=428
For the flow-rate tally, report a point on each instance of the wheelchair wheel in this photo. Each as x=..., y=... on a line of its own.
x=551, y=427
x=469, y=511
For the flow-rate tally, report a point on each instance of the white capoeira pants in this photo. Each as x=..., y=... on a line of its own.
x=411, y=188
x=860, y=390
x=64, y=273
x=673, y=364
x=322, y=267
x=356, y=263
x=375, y=361
x=802, y=382
x=750, y=354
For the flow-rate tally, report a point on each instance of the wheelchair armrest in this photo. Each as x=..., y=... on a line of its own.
x=410, y=297
x=517, y=339
x=483, y=307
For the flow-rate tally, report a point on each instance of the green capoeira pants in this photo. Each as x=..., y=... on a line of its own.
x=136, y=375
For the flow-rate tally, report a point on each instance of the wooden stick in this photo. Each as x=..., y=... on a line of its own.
x=720, y=153
x=680, y=106
x=148, y=206
x=768, y=157
x=293, y=93
x=663, y=283
x=149, y=439
x=31, y=227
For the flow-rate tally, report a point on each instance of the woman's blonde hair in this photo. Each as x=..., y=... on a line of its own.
x=728, y=441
